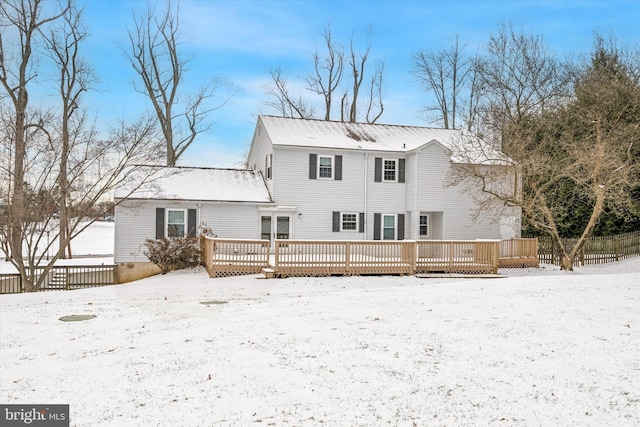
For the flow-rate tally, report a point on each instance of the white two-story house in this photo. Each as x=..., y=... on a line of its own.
x=313, y=179
x=335, y=180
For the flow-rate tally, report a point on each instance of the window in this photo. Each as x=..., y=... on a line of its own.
x=389, y=172
x=389, y=227
x=268, y=165
x=424, y=225
x=350, y=221
x=325, y=169
x=176, y=223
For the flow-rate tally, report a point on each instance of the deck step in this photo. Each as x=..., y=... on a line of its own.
x=268, y=273
x=59, y=280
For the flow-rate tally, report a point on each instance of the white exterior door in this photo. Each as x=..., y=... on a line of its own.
x=275, y=225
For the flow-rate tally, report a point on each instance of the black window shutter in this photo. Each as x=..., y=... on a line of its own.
x=191, y=223
x=338, y=173
x=313, y=159
x=378, y=170
x=336, y=222
x=401, y=170
x=400, y=226
x=361, y=223
x=377, y=224
x=159, y=223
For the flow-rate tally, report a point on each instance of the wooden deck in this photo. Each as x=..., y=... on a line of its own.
x=519, y=253
x=227, y=257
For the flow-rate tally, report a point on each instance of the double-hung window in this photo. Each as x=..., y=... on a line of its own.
x=176, y=222
x=388, y=227
x=424, y=226
x=268, y=166
x=389, y=172
x=349, y=222
x=325, y=167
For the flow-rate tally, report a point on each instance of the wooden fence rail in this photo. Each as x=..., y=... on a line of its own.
x=63, y=278
x=597, y=249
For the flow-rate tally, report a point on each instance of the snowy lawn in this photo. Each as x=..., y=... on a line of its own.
x=537, y=348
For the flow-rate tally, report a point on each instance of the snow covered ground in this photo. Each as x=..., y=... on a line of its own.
x=539, y=347
x=94, y=246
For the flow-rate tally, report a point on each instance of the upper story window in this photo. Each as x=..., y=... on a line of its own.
x=325, y=167
x=176, y=222
x=390, y=170
x=268, y=169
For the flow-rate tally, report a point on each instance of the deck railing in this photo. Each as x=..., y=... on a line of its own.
x=458, y=256
x=324, y=258
x=519, y=253
x=226, y=257
x=230, y=257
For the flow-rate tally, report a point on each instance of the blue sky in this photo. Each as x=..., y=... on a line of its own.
x=240, y=40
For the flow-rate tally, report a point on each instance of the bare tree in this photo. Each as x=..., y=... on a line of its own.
x=519, y=76
x=327, y=78
x=327, y=73
x=449, y=75
x=357, y=62
x=75, y=78
x=375, y=106
x=285, y=102
x=579, y=153
x=156, y=58
x=54, y=158
x=21, y=20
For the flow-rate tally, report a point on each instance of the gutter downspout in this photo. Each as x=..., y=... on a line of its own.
x=416, y=214
x=366, y=189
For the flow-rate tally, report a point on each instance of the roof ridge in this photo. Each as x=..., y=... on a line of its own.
x=359, y=123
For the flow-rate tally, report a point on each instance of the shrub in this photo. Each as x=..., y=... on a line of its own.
x=173, y=254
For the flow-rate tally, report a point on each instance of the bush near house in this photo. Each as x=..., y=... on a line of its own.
x=173, y=254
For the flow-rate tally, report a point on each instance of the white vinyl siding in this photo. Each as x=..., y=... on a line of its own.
x=136, y=223
x=316, y=199
x=261, y=148
x=451, y=208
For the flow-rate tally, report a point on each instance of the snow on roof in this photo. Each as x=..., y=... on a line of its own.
x=206, y=184
x=331, y=134
x=374, y=137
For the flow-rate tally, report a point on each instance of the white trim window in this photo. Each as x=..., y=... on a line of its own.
x=388, y=227
x=325, y=167
x=389, y=170
x=349, y=221
x=424, y=226
x=176, y=222
x=269, y=166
